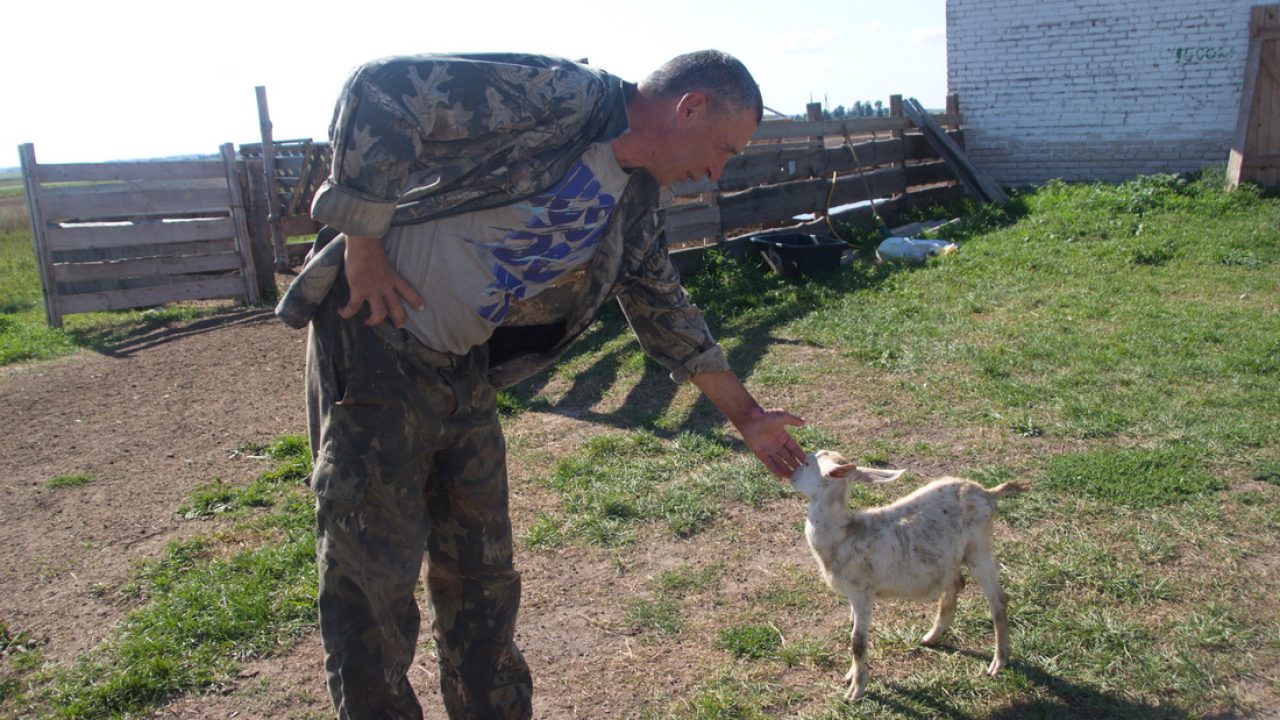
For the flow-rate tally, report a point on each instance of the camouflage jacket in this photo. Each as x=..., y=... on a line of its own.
x=424, y=137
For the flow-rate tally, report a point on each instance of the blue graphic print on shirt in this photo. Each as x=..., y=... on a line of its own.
x=565, y=224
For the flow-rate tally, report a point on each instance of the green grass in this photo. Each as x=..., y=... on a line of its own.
x=1132, y=477
x=204, y=608
x=753, y=642
x=1116, y=345
x=619, y=481
x=24, y=332
x=66, y=481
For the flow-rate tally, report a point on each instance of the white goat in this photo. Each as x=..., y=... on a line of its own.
x=912, y=548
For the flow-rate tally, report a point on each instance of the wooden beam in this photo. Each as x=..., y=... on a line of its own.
x=85, y=237
x=228, y=287
x=934, y=173
x=786, y=200
x=974, y=179
x=279, y=250
x=1262, y=161
x=248, y=273
x=146, y=267
x=779, y=130
x=160, y=170
x=1270, y=63
x=1248, y=100
x=127, y=203
x=44, y=258
x=299, y=189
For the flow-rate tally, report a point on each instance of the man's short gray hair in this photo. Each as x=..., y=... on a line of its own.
x=723, y=78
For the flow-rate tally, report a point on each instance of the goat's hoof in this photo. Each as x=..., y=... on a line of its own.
x=855, y=693
x=931, y=640
x=996, y=664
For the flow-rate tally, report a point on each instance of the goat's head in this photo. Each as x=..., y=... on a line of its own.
x=825, y=468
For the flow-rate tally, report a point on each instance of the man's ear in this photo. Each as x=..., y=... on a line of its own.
x=691, y=105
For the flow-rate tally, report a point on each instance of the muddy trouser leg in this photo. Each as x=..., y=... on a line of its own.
x=409, y=454
x=474, y=588
x=367, y=440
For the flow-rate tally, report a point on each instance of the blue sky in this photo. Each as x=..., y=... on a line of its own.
x=94, y=81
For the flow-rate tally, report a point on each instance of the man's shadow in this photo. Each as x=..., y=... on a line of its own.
x=737, y=283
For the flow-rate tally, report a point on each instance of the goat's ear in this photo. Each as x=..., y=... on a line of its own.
x=842, y=470
x=880, y=475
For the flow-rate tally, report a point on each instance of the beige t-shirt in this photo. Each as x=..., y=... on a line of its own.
x=480, y=270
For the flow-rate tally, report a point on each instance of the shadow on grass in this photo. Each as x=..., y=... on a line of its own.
x=739, y=300
x=166, y=330
x=1062, y=700
x=719, y=296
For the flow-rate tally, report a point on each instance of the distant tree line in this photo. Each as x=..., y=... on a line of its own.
x=859, y=109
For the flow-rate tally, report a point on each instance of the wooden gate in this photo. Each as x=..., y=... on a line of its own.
x=135, y=234
x=1255, y=151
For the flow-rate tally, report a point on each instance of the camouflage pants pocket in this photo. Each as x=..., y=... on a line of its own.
x=341, y=480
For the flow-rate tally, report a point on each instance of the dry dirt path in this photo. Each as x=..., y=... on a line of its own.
x=150, y=420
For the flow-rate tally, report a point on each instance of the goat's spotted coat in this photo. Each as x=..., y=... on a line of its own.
x=912, y=549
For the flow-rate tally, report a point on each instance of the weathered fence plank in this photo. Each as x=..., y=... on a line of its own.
x=44, y=259
x=149, y=296
x=117, y=235
x=142, y=267
x=84, y=237
x=783, y=129
x=127, y=202
x=130, y=171
x=791, y=169
x=752, y=207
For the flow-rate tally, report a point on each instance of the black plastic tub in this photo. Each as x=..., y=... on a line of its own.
x=795, y=254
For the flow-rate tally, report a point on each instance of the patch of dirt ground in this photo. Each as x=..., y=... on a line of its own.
x=150, y=420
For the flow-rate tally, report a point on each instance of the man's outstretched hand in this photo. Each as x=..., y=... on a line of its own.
x=373, y=280
x=765, y=432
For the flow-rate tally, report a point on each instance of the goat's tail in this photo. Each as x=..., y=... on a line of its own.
x=1009, y=488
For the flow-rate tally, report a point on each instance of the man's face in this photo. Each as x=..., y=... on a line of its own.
x=702, y=141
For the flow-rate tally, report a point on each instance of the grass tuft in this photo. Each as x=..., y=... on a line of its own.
x=1134, y=478
x=751, y=642
x=209, y=604
x=622, y=480
x=67, y=481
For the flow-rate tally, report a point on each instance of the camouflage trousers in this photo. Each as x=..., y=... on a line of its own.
x=410, y=459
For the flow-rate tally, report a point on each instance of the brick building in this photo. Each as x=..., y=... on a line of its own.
x=1096, y=89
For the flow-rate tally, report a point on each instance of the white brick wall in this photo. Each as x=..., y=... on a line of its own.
x=1096, y=89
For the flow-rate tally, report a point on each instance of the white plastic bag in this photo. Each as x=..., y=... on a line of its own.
x=906, y=249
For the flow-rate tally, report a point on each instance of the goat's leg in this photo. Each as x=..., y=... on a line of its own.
x=983, y=568
x=946, y=611
x=860, y=612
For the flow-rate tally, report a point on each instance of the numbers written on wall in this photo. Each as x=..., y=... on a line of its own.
x=1203, y=55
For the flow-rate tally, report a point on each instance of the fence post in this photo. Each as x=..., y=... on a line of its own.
x=259, y=228
x=44, y=257
x=273, y=188
x=243, y=246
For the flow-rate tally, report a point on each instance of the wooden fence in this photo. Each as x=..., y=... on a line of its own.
x=281, y=184
x=1255, y=149
x=793, y=169
x=283, y=176
x=135, y=234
